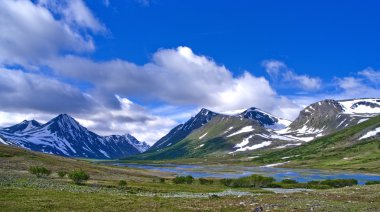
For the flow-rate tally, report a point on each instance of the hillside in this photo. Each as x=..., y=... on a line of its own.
x=223, y=135
x=353, y=148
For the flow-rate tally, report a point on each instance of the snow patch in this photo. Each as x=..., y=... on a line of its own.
x=370, y=133
x=256, y=146
x=275, y=164
x=288, y=145
x=362, y=120
x=243, y=130
x=202, y=136
x=244, y=142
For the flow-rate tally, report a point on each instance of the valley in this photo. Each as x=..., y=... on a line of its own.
x=330, y=142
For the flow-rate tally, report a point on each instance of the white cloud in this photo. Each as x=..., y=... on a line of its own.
x=175, y=76
x=280, y=72
x=30, y=32
x=74, y=13
x=371, y=74
x=20, y=91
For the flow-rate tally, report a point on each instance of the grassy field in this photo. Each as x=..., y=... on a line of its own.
x=22, y=191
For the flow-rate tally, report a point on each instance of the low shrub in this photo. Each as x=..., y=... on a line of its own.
x=336, y=183
x=339, y=183
x=61, y=174
x=78, y=176
x=253, y=181
x=289, y=181
x=226, y=181
x=39, y=171
x=183, y=179
x=204, y=181
x=372, y=182
x=162, y=180
x=122, y=183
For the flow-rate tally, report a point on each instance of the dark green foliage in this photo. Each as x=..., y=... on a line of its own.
x=226, y=181
x=204, y=181
x=122, y=183
x=162, y=180
x=336, y=183
x=373, y=182
x=61, y=174
x=183, y=179
x=39, y=171
x=78, y=176
x=339, y=183
x=289, y=181
x=253, y=181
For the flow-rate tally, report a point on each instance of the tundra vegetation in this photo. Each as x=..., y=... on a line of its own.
x=23, y=190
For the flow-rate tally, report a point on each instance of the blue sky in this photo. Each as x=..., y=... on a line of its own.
x=143, y=66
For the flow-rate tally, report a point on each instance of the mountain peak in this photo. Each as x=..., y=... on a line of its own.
x=23, y=126
x=64, y=122
x=205, y=112
x=264, y=118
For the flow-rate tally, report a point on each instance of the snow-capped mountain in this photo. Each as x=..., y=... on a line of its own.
x=265, y=119
x=64, y=136
x=254, y=130
x=327, y=116
x=141, y=146
x=181, y=131
x=22, y=127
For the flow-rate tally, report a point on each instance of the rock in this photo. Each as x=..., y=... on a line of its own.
x=258, y=209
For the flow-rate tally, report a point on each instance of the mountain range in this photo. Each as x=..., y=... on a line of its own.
x=255, y=130
x=207, y=134
x=64, y=136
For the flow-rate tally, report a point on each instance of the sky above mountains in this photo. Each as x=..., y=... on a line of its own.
x=143, y=66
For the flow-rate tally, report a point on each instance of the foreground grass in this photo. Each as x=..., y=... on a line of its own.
x=365, y=198
x=21, y=191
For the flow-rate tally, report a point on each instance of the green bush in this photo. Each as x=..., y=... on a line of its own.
x=162, y=180
x=204, y=181
x=39, y=171
x=61, y=174
x=336, y=183
x=122, y=183
x=183, y=179
x=78, y=176
x=289, y=181
x=226, y=181
x=253, y=181
x=373, y=182
x=339, y=183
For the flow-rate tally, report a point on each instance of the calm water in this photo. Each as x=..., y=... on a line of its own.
x=236, y=171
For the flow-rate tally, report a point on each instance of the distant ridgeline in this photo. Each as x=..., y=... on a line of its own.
x=207, y=134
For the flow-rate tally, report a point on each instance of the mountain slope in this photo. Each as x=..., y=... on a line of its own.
x=181, y=131
x=66, y=137
x=22, y=127
x=328, y=116
x=223, y=135
x=356, y=148
x=265, y=119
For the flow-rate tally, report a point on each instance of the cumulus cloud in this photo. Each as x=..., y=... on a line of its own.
x=29, y=32
x=279, y=71
x=20, y=91
x=74, y=12
x=176, y=76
